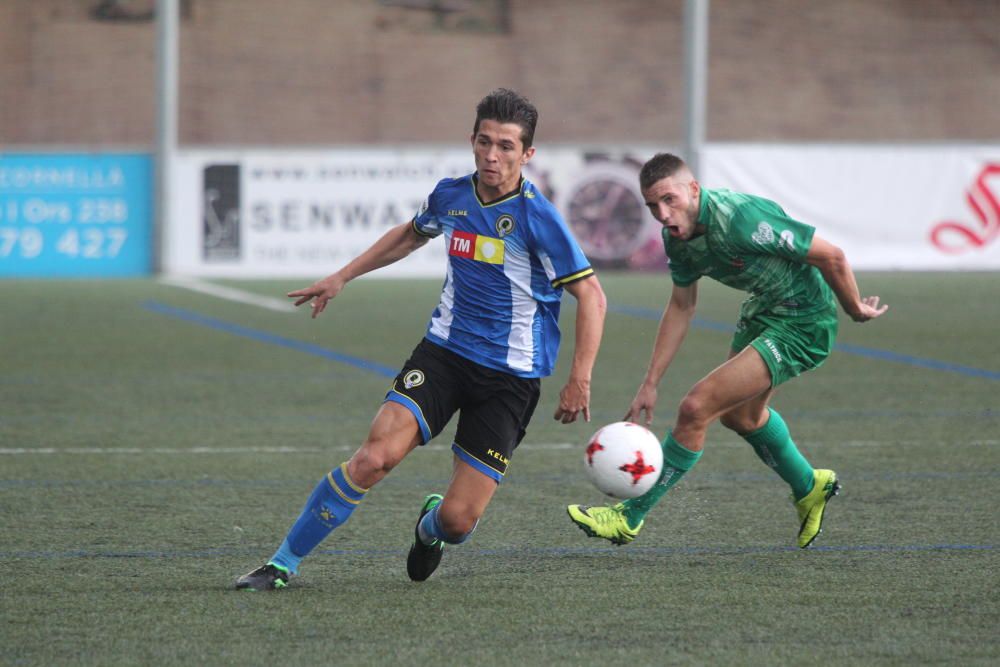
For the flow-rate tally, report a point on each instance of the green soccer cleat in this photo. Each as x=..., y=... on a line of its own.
x=265, y=578
x=812, y=507
x=423, y=559
x=607, y=522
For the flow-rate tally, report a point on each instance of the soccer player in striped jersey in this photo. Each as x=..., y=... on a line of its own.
x=786, y=327
x=492, y=336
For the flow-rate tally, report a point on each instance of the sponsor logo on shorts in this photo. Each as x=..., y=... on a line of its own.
x=773, y=348
x=498, y=456
x=413, y=379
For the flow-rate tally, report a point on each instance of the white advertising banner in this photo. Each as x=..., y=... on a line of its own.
x=299, y=213
x=888, y=207
x=303, y=214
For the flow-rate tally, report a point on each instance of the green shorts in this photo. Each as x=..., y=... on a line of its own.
x=789, y=345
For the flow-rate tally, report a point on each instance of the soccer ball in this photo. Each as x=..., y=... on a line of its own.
x=623, y=459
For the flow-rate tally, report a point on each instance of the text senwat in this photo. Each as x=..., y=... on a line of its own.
x=293, y=215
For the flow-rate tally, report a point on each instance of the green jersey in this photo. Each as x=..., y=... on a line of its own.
x=752, y=245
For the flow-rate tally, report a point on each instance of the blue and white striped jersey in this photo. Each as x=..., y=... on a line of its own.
x=508, y=261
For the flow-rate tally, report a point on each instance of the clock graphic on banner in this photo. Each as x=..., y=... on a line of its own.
x=604, y=209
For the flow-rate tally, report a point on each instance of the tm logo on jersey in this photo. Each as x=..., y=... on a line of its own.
x=474, y=246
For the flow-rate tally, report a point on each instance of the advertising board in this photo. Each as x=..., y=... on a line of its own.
x=260, y=213
x=888, y=207
x=75, y=215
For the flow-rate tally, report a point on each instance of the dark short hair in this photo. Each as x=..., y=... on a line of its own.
x=506, y=106
x=658, y=167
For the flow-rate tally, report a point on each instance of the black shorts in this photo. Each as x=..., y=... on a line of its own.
x=494, y=407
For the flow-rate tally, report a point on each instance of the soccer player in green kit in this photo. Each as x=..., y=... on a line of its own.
x=786, y=326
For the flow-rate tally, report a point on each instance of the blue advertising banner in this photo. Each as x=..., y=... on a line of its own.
x=75, y=215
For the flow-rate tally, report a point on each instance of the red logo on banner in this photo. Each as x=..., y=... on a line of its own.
x=957, y=237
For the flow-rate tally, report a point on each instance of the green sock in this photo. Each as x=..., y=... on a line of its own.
x=677, y=460
x=773, y=444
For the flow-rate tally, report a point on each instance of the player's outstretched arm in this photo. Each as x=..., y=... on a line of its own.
x=590, y=310
x=394, y=245
x=673, y=328
x=832, y=263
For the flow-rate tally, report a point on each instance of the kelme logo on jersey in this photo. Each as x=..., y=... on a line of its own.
x=505, y=225
x=786, y=240
x=413, y=379
x=479, y=248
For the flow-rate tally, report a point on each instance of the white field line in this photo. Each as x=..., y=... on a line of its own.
x=14, y=451
x=229, y=293
x=24, y=451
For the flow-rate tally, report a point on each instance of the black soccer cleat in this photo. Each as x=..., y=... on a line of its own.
x=265, y=578
x=423, y=559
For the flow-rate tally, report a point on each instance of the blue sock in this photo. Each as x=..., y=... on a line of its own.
x=331, y=504
x=430, y=529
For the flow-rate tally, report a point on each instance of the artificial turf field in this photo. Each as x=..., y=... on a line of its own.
x=156, y=442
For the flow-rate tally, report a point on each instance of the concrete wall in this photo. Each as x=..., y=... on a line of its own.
x=320, y=72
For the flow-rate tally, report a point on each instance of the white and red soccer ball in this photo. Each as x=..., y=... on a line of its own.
x=623, y=459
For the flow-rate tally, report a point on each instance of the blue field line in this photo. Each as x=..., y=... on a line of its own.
x=933, y=364
x=511, y=552
x=634, y=311
x=870, y=352
x=517, y=478
x=265, y=337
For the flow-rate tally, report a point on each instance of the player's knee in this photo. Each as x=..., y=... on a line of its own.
x=373, y=462
x=694, y=410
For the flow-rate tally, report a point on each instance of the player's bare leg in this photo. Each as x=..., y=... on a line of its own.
x=448, y=519
x=742, y=378
x=393, y=434
x=766, y=431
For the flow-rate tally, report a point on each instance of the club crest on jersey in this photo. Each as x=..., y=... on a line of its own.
x=505, y=225
x=763, y=235
x=477, y=247
x=413, y=379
